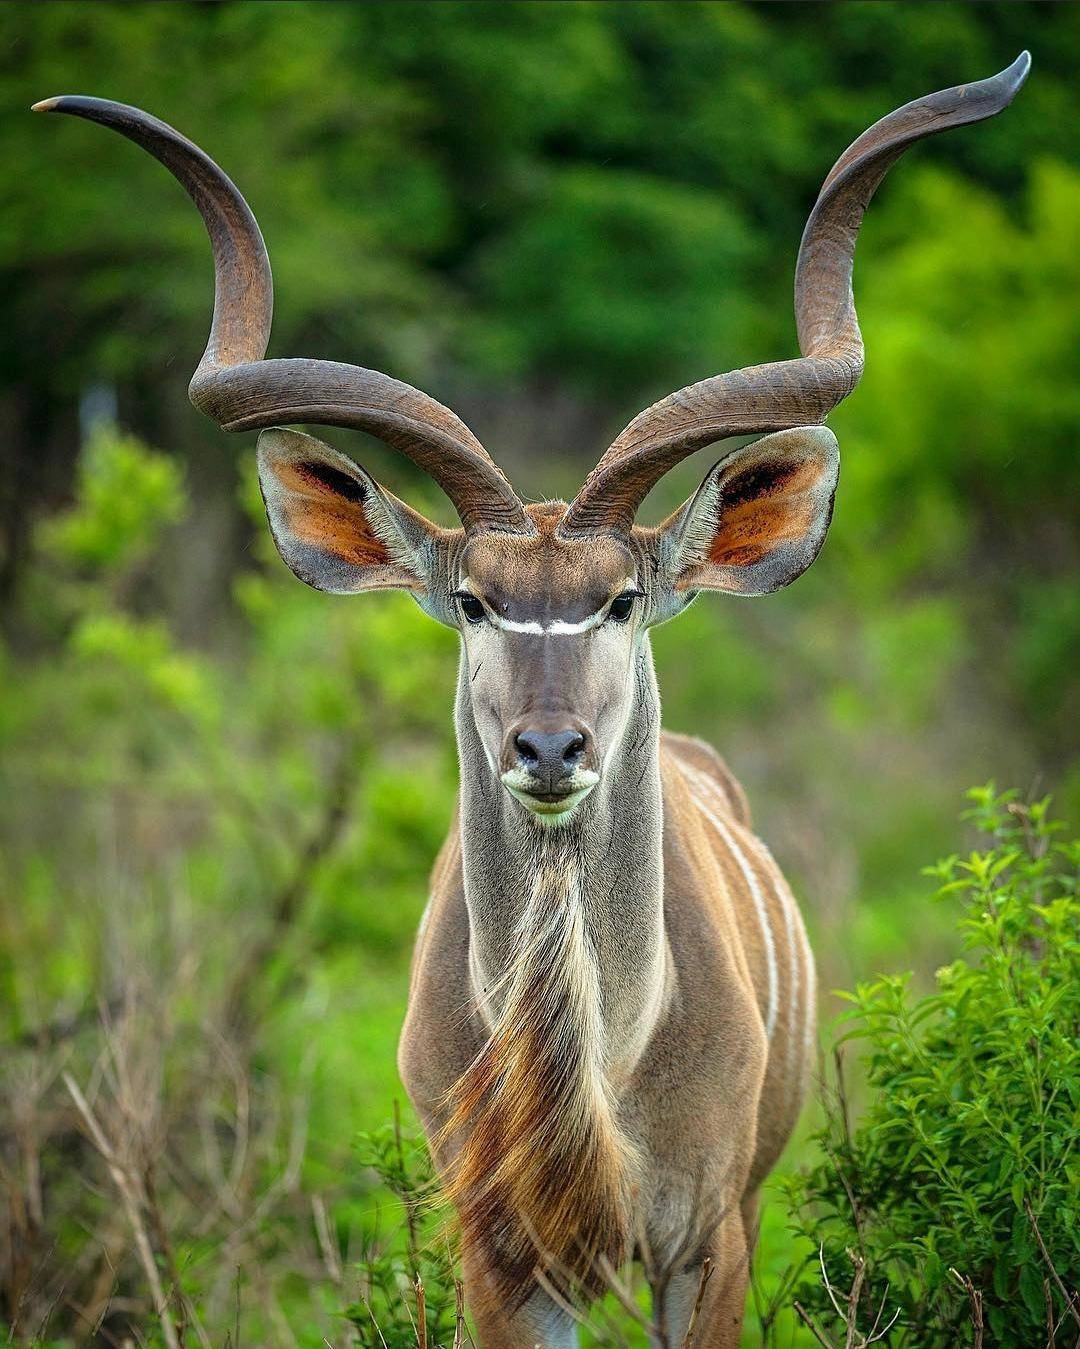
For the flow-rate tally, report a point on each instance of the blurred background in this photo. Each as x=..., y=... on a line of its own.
x=221, y=793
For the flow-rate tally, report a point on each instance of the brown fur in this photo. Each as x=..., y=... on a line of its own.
x=700, y=754
x=540, y=1181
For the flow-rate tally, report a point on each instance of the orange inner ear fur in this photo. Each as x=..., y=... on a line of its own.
x=762, y=509
x=327, y=512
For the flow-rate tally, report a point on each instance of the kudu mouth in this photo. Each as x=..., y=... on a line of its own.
x=549, y=805
x=548, y=771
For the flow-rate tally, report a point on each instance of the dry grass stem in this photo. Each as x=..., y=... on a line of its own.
x=129, y=1198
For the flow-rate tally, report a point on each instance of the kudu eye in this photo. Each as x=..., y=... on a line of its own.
x=470, y=606
x=622, y=606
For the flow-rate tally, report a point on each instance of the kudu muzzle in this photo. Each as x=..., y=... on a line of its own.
x=548, y=753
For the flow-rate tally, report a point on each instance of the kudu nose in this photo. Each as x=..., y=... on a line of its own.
x=550, y=755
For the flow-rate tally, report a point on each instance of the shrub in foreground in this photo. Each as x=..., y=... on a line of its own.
x=954, y=1204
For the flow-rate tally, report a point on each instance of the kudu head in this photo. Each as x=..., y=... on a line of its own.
x=552, y=601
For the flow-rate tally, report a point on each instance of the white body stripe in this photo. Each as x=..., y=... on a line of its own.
x=759, y=906
x=796, y=959
x=810, y=1011
x=803, y=973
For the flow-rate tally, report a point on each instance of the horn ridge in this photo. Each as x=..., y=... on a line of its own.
x=312, y=392
x=243, y=284
x=797, y=392
x=241, y=391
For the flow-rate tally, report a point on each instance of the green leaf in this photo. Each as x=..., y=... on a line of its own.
x=1031, y=1289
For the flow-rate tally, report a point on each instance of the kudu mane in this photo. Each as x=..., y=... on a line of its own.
x=541, y=1172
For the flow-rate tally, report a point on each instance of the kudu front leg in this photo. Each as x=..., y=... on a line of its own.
x=540, y=1324
x=717, y=1309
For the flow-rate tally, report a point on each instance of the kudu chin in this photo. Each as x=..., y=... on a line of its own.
x=612, y=1011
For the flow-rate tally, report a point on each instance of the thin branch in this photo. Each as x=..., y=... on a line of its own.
x=828, y=1285
x=886, y=1327
x=421, y=1314
x=853, y=1300
x=703, y=1283
x=813, y=1326
x=367, y=1308
x=976, y=1305
x=1070, y=1298
x=459, y=1314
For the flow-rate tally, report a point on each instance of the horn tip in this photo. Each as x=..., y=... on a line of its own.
x=1020, y=68
x=80, y=104
x=1013, y=76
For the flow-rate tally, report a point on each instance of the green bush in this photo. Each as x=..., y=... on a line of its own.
x=955, y=1202
x=410, y=1292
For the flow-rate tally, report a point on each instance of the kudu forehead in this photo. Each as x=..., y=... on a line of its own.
x=544, y=578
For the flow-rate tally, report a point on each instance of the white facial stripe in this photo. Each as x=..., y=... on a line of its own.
x=556, y=628
x=508, y=625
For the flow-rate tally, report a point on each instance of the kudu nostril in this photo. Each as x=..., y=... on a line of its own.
x=525, y=745
x=550, y=754
x=574, y=749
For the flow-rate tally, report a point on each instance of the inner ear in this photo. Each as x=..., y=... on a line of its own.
x=334, y=527
x=761, y=515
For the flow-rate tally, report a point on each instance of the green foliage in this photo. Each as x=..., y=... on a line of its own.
x=219, y=789
x=960, y=1181
x=228, y=854
x=412, y=1283
x=126, y=494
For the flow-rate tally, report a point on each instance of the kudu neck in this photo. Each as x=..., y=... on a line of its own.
x=608, y=858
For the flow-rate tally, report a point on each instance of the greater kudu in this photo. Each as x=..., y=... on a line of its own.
x=612, y=1013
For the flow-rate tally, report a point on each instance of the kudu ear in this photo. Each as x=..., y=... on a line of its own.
x=760, y=517
x=334, y=526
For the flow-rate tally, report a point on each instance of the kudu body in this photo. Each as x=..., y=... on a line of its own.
x=611, y=1018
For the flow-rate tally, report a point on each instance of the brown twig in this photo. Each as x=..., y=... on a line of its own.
x=813, y=1326
x=327, y=1247
x=853, y=1301
x=976, y=1304
x=459, y=1314
x=1070, y=1298
x=625, y=1299
x=703, y=1283
x=129, y=1199
x=421, y=1314
x=1051, y=1315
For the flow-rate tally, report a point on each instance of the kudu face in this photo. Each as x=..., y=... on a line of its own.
x=550, y=619
x=550, y=600
x=549, y=627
